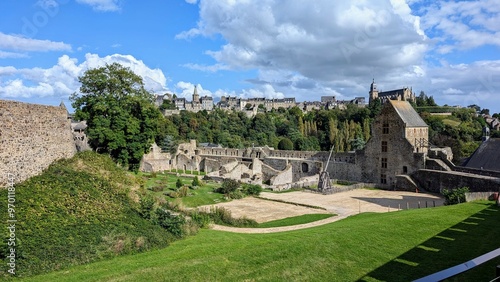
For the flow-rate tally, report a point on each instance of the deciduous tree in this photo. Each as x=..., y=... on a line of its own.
x=121, y=117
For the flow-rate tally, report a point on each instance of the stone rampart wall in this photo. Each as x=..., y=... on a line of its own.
x=344, y=171
x=31, y=138
x=435, y=181
x=476, y=196
x=227, y=152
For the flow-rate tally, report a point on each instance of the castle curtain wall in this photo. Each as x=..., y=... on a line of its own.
x=31, y=138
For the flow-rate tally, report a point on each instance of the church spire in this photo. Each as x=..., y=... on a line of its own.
x=196, y=97
x=373, y=91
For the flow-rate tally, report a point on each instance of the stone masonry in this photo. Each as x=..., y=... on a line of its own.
x=31, y=138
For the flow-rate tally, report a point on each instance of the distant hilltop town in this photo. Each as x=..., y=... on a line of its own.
x=252, y=105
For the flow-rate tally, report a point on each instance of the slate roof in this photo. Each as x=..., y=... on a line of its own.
x=391, y=92
x=487, y=156
x=408, y=114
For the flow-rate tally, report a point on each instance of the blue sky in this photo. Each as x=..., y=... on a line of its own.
x=262, y=48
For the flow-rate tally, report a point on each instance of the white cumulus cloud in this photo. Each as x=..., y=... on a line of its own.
x=462, y=25
x=20, y=43
x=186, y=90
x=61, y=80
x=315, y=46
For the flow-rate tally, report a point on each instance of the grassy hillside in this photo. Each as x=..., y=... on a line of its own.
x=163, y=183
x=77, y=211
x=396, y=246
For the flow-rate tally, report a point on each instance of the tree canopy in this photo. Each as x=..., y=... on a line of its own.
x=122, y=120
x=286, y=129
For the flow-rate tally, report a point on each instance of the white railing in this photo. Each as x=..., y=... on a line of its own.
x=457, y=269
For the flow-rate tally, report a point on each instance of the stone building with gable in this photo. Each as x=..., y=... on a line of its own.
x=398, y=145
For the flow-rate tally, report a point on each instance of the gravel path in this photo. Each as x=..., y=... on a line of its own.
x=342, y=204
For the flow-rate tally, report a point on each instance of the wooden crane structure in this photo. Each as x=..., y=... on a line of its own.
x=325, y=184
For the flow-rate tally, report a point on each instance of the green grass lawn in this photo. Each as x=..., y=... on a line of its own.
x=200, y=196
x=296, y=220
x=395, y=246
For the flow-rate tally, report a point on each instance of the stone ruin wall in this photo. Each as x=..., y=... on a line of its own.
x=31, y=138
x=435, y=181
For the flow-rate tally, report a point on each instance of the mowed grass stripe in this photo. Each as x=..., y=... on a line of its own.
x=366, y=247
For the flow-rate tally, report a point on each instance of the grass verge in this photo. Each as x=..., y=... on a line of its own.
x=296, y=220
x=291, y=203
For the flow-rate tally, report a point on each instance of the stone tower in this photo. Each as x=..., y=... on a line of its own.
x=196, y=96
x=373, y=91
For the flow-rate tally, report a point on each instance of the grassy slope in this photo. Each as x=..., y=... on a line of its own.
x=396, y=246
x=203, y=195
x=75, y=212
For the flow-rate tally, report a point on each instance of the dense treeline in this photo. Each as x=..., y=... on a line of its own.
x=462, y=131
x=286, y=129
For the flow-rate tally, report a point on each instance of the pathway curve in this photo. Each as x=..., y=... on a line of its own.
x=278, y=229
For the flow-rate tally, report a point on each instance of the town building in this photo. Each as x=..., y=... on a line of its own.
x=403, y=94
x=182, y=104
x=253, y=105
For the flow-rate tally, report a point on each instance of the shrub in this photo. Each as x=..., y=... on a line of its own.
x=175, y=205
x=146, y=206
x=454, y=196
x=285, y=144
x=196, y=181
x=178, y=183
x=228, y=186
x=244, y=222
x=251, y=189
x=172, y=223
x=200, y=218
x=173, y=194
x=115, y=244
x=236, y=195
x=223, y=216
x=190, y=228
x=183, y=191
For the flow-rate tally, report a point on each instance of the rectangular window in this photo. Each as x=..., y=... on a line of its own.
x=384, y=163
x=383, y=179
x=384, y=146
x=405, y=169
x=385, y=128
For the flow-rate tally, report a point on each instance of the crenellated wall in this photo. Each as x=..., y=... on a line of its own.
x=31, y=138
